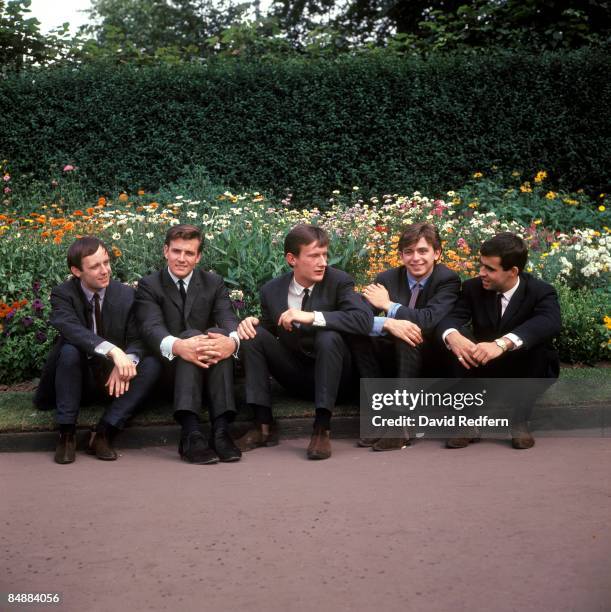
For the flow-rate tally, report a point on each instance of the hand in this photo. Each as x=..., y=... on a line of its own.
x=463, y=349
x=377, y=295
x=123, y=364
x=116, y=385
x=215, y=347
x=294, y=315
x=404, y=330
x=188, y=349
x=486, y=351
x=246, y=328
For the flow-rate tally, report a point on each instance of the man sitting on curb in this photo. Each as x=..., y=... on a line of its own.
x=97, y=352
x=415, y=297
x=514, y=318
x=300, y=338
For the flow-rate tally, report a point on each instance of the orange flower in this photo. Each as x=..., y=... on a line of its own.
x=123, y=197
x=55, y=222
x=23, y=303
x=44, y=235
x=140, y=192
x=78, y=213
x=116, y=251
x=57, y=239
x=69, y=226
x=101, y=201
x=153, y=205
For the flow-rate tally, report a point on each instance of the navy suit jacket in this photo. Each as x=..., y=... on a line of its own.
x=344, y=310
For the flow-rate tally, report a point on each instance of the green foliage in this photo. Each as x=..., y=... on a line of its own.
x=386, y=122
x=584, y=337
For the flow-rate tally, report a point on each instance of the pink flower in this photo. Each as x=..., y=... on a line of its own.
x=6, y=178
x=68, y=168
x=461, y=243
x=7, y=190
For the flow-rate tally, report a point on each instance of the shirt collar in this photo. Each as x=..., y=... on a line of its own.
x=186, y=280
x=509, y=293
x=412, y=281
x=298, y=289
x=89, y=294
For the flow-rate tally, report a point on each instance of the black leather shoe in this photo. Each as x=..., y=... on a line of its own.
x=223, y=445
x=99, y=445
x=65, y=450
x=195, y=449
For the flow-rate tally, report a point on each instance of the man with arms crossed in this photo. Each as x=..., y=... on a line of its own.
x=185, y=316
x=514, y=317
x=415, y=297
x=97, y=350
x=300, y=338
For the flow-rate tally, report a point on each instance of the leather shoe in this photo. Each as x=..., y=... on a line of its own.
x=521, y=438
x=99, y=445
x=65, y=451
x=195, y=449
x=387, y=444
x=470, y=435
x=255, y=438
x=320, y=444
x=222, y=443
x=366, y=442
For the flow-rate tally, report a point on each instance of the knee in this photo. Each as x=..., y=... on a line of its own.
x=69, y=356
x=150, y=367
x=328, y=340
x=189, y=333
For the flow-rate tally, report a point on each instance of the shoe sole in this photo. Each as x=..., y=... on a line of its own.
x=209, y=462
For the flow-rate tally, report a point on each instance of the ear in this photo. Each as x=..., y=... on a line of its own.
x=437, y=255
x=75, y=271
x=166, y=249
x=290, y=259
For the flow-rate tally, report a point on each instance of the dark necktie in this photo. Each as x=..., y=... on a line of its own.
x=499, y=309
x=183, y=293
x=97, y=313
x=306, y=336
x=304, y=301
x=414, y=296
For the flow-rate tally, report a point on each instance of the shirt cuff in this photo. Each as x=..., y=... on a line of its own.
x=319, y=319
x=446, y=333
x=134, y=358
x=104, y=348
x=166, y=347
x=392, y=311
x=517, y=341
x=235, y=336
x=378, y=326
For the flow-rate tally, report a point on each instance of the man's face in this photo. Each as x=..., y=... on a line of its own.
x=95, y=272
x=310, y=265
x=494, y=278
x=182, y=256
x=419, y=258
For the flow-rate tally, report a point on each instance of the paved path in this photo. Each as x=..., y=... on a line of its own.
x=425, y=529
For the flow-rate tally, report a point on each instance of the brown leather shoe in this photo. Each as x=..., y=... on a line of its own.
x=65, y=451
x=387, y=444
x=255, y=438
x=470, y=435
x=320, y=444
x=366, y=442
x=521, y=438
x=99, y=445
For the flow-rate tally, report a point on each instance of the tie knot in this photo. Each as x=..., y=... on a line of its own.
x=181, y=283
x=96, y=296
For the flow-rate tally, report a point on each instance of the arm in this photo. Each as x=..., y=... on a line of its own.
x=149, y=316
x=352, y=314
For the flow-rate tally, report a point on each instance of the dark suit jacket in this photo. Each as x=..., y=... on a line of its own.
x=344, y=310
x=72, y=316
x=533, y=314
x=434, y=302
x=159, y=306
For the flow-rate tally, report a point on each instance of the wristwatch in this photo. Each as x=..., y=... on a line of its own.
x=501, y=344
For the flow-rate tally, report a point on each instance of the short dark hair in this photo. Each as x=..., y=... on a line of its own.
x=510, y=248
x=83, y=247
x=185, y=231
x=412, y=233
x=302, y=235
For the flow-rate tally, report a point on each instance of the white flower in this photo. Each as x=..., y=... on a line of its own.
x=149, y=235
x=129, y=231
x=192, y=214
x=179, y=197
x=335, y=192
x=116, y=236
x=174, y=221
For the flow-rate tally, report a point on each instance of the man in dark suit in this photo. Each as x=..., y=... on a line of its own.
x=300, y=338
x=97, y=347
x=185, y=317
x=514, y=318
x=414, y=297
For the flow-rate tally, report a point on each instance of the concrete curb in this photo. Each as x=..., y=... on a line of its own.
x=592, y=420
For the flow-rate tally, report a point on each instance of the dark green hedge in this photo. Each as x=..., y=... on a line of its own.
x=380, y=122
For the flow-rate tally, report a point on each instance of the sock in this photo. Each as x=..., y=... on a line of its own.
x=323, y=418
x=263, y=414
x=188, y=421
x=69, y=428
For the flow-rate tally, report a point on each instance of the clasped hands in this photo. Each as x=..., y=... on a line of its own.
x=471, y=354
x=121, y=374
x=204, y=350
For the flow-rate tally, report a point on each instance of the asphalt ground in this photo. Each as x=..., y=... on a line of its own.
x=426, y=529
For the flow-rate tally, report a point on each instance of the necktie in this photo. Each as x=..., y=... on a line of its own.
x=97, y=314
x=304, y=301
x=183, y=293
x=414, y=296
x=499, y=309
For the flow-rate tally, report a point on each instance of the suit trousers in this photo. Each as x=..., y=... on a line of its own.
x=386, y=357
x=319, y=374
x=191, y=382
x=79, y=380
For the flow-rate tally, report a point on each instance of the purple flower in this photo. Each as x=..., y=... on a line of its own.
x=27, y=321
x=36, y=287
x=37, y=306
x=41, y=336
x=237, y=304
x=10, y=315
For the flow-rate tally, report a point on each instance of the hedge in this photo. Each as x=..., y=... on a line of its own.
x=381, y=122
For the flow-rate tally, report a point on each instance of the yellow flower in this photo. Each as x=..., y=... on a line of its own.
x=550, y=195
x=607, y=321
x=477, y=175
x=525, y=187
x=515, y=173
x=538, y=221
x=555, y=245
x=473, y=205
x=570, y=202
x=602, y=208
x=116, y=251
x=540, y=176
x=602, y=195
x=123, y=197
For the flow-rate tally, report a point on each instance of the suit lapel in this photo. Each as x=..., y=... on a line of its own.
x=490, y=305
x=195, y=288
x=403, y=286
x=171, y=290
x=86, y=310
x=514, y=304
